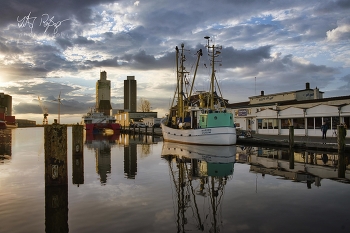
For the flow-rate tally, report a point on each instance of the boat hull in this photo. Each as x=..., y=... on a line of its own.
x=98, y=127
x=202, y=136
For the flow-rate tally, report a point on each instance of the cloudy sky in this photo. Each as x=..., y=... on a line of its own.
x=49, y=47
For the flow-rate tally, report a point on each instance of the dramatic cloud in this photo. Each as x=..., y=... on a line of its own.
x=48, y=47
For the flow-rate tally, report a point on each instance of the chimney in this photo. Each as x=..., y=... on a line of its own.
x=262, y=93
x=307, y=86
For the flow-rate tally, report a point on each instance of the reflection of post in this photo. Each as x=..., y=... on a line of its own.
x=291, y=158
x=341, y=150
x=55, y=154
x=77, y=154
x=56, y=209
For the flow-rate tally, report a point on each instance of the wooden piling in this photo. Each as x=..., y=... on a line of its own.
x=78, y=154
x=341, y=151
x=55, y=137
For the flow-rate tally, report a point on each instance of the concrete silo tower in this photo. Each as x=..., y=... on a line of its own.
x=103, y=94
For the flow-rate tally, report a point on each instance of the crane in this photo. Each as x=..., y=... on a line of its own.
x=44, y=109
x=59, y=106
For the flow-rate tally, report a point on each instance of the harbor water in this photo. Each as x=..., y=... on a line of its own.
x=127, y=183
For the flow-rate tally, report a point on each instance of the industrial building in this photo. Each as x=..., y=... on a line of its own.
x=305, y=109
x=6, y=110
x=103, y=94
x=129, y=114
x=130, y=94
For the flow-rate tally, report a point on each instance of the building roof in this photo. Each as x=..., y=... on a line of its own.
x=247, y=104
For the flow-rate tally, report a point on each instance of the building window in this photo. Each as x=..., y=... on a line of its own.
x=259, y=123
x=285, y=123
x=318, y=122
x=347, y=121
x=299, y=123
x=335, y=122
x=310, y=123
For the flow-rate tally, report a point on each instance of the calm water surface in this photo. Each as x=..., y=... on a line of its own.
x=126, y=184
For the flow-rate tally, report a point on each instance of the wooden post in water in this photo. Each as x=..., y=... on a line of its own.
x=78, y=154
x=56, y=178
x=55, y=137
x=146, y=130
x=152, y=133
x=341, y=151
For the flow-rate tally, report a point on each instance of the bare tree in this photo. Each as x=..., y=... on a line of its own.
x=144, y=105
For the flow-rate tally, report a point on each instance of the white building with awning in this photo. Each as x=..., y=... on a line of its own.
x=305, y=109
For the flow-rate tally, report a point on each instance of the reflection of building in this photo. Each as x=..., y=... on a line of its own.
x=102, y=144
x=5, y=144
x=103, y=94
x=130, y=160
x=309, y=167
x=130, y=94
x=103, y=161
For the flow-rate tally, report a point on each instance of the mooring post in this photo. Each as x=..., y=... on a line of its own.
x=341, y=151
x=55, y=137
x=56, y=178
x=78, y=154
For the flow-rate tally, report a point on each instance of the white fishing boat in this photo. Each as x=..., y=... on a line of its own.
x=201, y=118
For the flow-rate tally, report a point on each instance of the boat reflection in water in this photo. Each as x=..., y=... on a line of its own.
x=102, y=144
x=199, y=174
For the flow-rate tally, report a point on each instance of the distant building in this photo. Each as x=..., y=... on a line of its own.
x=103, y=94
x=125, y=118
x=6, y=104
x=22, y=123
x=130, y=94
x=305, y=109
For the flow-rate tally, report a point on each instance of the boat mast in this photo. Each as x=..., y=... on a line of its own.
x=213, y=53
x=177, y=82
x=199, y=54
x=180, y=81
